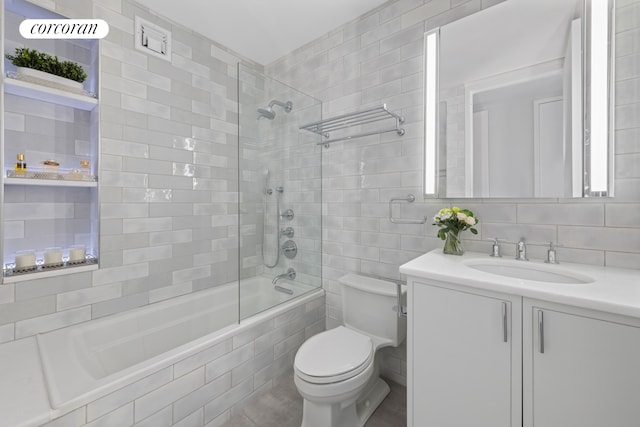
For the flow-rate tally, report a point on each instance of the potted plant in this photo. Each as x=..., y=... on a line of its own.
x=43, y=68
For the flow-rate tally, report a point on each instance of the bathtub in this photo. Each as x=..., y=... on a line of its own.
x=86, y=361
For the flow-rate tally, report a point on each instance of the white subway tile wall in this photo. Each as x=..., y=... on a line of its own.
x=377, y=59
x=168, y=176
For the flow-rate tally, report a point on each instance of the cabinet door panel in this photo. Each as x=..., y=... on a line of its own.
x=589, y=373
x=461, y=363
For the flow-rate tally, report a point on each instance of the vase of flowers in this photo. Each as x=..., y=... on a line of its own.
x=452, y=221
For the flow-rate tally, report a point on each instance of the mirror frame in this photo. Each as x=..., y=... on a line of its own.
x=593, y=170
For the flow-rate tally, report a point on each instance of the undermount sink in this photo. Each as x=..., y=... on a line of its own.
x=527, y=270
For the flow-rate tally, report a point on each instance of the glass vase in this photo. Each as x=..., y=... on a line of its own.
x=453, y=244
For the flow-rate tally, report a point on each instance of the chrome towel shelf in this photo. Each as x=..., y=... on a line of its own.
x=327, y=126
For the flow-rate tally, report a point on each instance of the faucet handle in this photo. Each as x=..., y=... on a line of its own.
x=495, y=248
x=521, y=250
x=552, y=257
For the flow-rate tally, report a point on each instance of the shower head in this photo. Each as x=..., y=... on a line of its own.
x=268, y=112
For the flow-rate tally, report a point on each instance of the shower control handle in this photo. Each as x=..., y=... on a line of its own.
x=287, y=232
x=288, y=214
x=290, y=249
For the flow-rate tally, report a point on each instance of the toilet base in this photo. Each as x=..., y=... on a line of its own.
x=372, y=398
x=353, y=414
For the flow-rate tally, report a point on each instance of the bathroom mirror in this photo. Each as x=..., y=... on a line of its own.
x=518, y=102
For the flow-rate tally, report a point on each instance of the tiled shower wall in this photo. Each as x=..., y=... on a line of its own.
x=378, y=59
x=294, y=164
x=168, y=178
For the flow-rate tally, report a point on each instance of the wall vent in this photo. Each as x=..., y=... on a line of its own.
x=152, y=39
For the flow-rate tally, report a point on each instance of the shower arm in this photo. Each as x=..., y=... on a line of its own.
x=288, y=106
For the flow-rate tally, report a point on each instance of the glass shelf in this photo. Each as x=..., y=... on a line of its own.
x=50, y=179
x=49, y=94
x=39, y=271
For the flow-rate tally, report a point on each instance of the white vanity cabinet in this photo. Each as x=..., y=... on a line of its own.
x=464, y=356
x=572, y=356
x=581, y=367
x=482, y=358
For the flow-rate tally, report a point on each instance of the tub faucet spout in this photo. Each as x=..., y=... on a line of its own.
x=290, y=274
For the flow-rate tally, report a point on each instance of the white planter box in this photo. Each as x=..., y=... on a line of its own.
x=50, y=80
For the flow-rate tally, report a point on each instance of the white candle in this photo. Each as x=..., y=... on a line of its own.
x=25, y=259
x=77, y=254
x=53, y=256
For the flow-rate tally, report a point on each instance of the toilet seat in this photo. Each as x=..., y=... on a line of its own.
x=333, y=356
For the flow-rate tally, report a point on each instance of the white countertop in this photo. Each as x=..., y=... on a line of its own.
x=612, y=290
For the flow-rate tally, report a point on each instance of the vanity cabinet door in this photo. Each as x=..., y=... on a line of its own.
x=464, y=357
x=581, y=368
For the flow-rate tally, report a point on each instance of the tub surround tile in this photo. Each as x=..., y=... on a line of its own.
x=168, y=393
x=74, y=418
x=250, y=367
x=229, y=361
x=122, y=416
x=112, y=401
x=196, y=400
x=162, y=418
x=61, y=319
x=196, y=419
x=220, y=404
x=118, y=305
x=28, y=309
x=7, y=333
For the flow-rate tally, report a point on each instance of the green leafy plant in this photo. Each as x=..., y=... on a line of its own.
x=31, y=58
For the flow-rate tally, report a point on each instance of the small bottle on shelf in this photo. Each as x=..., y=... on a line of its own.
x=21, y=165
x=85, y=169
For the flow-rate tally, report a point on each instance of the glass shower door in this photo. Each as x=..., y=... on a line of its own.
x=280, y=192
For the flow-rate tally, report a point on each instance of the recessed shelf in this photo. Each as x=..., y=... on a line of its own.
x=49, y=182
x=41, y=274
x=54, y=202
x=49, y=94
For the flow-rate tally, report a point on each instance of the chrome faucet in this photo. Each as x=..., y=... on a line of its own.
x=521, y=250
x=290, y=274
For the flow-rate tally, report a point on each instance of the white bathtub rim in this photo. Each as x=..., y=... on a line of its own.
x=155, y=364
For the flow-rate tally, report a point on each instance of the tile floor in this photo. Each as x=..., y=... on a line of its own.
x=282, y=407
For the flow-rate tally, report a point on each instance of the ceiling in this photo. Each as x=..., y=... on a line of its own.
x=262, y=30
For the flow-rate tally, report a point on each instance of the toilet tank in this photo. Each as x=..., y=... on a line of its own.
x=369, y=305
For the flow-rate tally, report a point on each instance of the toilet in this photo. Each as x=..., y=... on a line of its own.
x=336, y=371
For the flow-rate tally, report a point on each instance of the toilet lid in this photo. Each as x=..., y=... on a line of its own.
x=334, y=355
